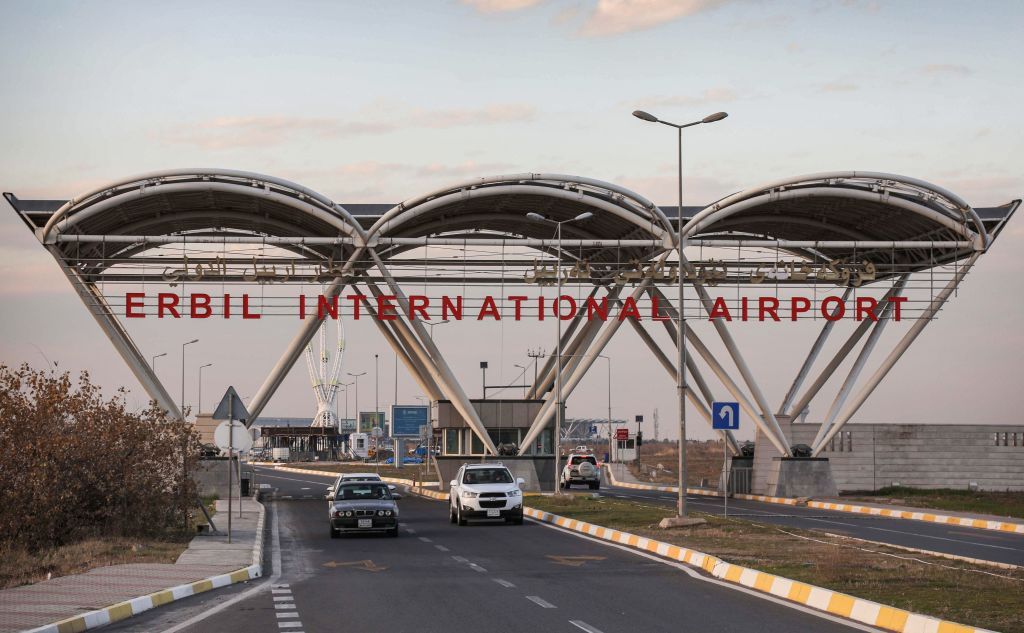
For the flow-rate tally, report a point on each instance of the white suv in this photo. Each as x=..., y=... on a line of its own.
x=581, y=469
x=485, y=491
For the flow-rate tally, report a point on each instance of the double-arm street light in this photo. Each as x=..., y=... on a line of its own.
x=681, y=385
x=356, y=376
x=536, y=217
x=195, y=340
x=199, y=404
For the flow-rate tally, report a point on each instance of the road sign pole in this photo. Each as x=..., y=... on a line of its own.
x=231, y=453
x=725, y=477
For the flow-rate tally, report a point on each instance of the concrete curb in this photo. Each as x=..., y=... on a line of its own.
x=833, y=602
x=135, y=606
x=931, y=517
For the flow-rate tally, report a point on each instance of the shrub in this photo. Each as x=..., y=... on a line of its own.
x=75, y=465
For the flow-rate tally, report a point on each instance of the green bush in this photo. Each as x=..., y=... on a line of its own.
x=75, y=465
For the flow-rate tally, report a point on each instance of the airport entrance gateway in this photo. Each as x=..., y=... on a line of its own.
x=854, y=251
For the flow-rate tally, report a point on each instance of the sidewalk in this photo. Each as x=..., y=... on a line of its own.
x=73, y=597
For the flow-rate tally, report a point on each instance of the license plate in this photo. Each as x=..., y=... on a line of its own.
x=493, y=512
x=365, y=523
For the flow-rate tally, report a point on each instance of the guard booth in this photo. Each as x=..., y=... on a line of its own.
x=623, y=447
x=507, y=423
x=304, y=444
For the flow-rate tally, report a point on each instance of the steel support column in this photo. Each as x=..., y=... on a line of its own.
x=898, y=351
x=298, y=345
x=812, y=356
x=398, y=338
x=118, y=335
x=834, y=364
x=702, y=385
x=439, y=367
x=858, y=365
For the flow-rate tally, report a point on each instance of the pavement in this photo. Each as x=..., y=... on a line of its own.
x=985, y=545
x=486, y=576
x=31, y=606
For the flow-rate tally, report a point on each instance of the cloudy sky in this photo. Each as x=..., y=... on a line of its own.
x=377, y=102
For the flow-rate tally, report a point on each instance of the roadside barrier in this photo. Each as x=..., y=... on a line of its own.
x=840, y=604
x=135, y=606
x=931, y=517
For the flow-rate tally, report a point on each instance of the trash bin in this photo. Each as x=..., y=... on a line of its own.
x=245, y=484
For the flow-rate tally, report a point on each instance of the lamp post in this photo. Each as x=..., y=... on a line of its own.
x=376, y=389
x=152, y=363
x=431, y=326
x=345, y=386
x=199, y=403
x=356, y=376
x=681, y=385
x=536, y=217
x=483, y=380
x=523, y=367
x=195, y=340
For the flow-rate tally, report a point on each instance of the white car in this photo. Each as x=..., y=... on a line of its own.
x=581, y=469
x=353, y=477
x=485, y=491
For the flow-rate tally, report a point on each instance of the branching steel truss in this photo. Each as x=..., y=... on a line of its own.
x=583, y=340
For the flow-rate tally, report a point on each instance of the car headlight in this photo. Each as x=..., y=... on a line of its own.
x=348, y=513
x=380, y=513
x=513, y=493
x=387, y=513
x=469, y=494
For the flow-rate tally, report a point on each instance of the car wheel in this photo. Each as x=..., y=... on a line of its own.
x=393, y=532
x=595, y=486
x=451, y=512
x=461, y=519
x=518, y=520
x=334, y=533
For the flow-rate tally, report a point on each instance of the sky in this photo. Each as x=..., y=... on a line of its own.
x=379, y=102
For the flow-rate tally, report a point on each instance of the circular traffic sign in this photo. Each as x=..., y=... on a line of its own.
x=240, y=439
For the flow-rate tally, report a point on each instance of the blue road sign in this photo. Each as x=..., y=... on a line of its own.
x=725, y=416
x=407, y=420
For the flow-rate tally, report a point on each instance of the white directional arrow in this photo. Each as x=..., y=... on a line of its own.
x=726, y=414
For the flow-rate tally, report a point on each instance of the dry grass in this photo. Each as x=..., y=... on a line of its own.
x=1003, y=504
x=21, y=567
x=659, y=461
x=960, y=592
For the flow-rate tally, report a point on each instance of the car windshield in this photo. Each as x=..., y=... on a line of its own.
x=487, y=476
x=576, y=461
x=349, y=492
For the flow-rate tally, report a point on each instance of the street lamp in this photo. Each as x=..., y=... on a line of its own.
x=199, y=405
x=523, y=367
x=345, y=386
x=431, y=326
x=356, y=376
x=376, y=389
x=681, y=385
x=536, y=217
x=195, y=340
x=152, y=363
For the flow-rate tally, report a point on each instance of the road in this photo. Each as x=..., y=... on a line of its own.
x=950, y=539
x=489, y=577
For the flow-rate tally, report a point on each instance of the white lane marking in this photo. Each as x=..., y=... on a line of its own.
x=281, y=591
x=478, y=568
x=580, y=624
x=289, y=625
x=410, y=530
x=403, y=524
x=283, y=598
x=305, y=488
x=425, y=539
x=503, y=583
x=442, y=548
x=460, y=559
x=280, y=586
x=696, y=576
x=282, y=606
x=541, y=602
x=275, y=557
x=287, y=614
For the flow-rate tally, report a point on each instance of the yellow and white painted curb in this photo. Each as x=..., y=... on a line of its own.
x=840, y=604
x=931, y=517
x=135, y=606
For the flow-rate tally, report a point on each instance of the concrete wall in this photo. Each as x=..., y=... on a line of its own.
x=212, y=477
x=872, y=456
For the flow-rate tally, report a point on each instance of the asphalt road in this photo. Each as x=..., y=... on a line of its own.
x=487, y=577
x=950, y=539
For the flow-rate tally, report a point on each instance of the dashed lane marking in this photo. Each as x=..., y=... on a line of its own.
x=425, y=539
x=442, y=548
x=504, y=583
x=580, y=624
x=478, y=568
x=541, y=602
x=460, y=559
x=287, y=614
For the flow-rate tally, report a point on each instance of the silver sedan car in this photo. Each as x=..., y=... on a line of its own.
x=364, y=506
